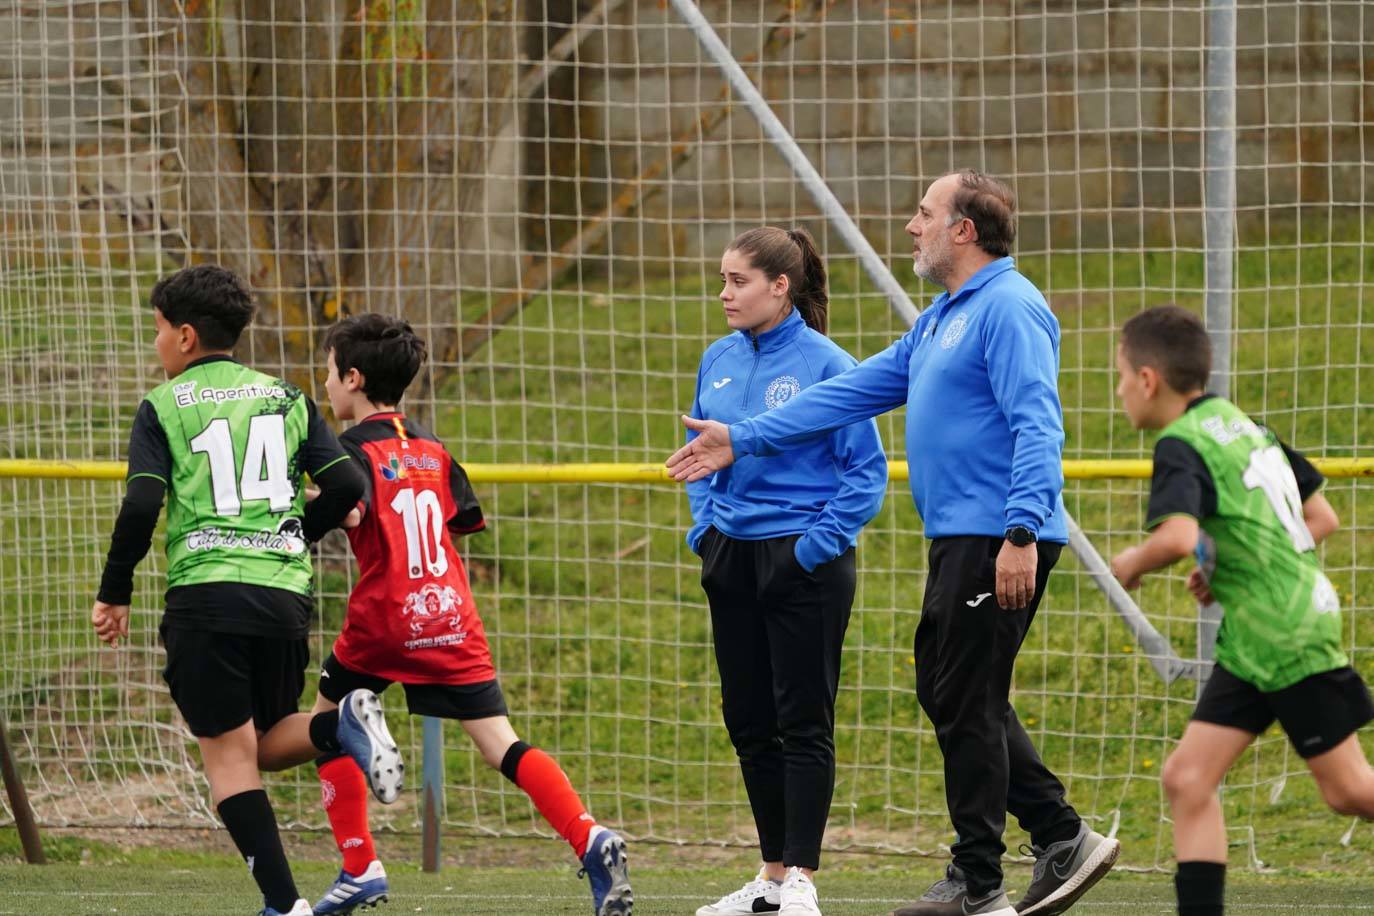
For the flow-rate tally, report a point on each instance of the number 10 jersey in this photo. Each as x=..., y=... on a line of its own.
x=411, y=617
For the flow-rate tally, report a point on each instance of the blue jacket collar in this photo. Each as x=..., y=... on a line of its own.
x=779, y=336
x=977, y=281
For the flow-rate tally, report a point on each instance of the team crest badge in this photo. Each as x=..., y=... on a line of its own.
x=434, y=606
x=781, y=390
x=954, y=332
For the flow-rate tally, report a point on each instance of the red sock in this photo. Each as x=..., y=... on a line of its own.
x=548, y=787
x=344, y=791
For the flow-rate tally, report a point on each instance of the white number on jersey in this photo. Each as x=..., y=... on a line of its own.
x=423, y=518
x=265, y=474
x=1269, y=471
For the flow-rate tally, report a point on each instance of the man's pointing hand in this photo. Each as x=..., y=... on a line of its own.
x=709, y=452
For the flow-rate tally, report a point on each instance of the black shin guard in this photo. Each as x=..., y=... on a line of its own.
x=510, y=764
x=324, y=733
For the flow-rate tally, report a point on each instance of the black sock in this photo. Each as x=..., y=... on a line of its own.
x=248, y=817
x=326, y=758
x=324, y=732
x=1201, y=888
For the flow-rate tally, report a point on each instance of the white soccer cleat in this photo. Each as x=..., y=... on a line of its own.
x=302, y=908
x=364, y=736
x=798, y=895
x=762, y=895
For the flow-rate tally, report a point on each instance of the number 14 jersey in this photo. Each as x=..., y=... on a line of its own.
x=1246, y=489
x=411, y=617
x=232, y=445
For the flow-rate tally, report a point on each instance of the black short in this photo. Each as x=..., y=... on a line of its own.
x=445, y=701
x=1317, y=713
x=221, y=680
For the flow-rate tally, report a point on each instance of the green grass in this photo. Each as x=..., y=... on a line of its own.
x=223, y=888
x=592, y=601
x=88, y=877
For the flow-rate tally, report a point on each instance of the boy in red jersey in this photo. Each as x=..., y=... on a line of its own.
x=411, y=618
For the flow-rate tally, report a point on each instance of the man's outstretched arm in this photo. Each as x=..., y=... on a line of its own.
x=874, y=386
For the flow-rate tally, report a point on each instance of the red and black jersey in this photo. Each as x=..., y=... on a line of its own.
x=411, y=617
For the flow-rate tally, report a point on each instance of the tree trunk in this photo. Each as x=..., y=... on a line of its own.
x=297, y=132
x=426, y=162
x=335, y=155
x=226, y=220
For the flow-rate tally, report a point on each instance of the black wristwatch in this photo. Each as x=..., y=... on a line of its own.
x=1020, y=536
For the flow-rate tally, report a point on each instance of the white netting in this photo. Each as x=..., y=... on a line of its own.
x=545, y=192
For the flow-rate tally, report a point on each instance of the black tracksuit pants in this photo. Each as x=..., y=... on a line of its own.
x=778, y=633
x=965, y=649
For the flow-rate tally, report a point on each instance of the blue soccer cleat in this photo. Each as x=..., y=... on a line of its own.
x=608, y=872
x=301, y=908
x=351, y=892
x=364, y=737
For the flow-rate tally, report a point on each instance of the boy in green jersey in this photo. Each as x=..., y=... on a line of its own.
x=1250, y=507
x=229, y=448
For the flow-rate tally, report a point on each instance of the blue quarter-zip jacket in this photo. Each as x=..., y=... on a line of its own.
x=825, y=490
x=978, y=375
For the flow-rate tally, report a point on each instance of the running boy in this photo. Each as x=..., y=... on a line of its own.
x=411, y=618
x=229, y=446
x=1250, y=508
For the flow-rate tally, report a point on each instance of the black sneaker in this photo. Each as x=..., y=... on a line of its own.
x=1065, y=871
x=950, y=897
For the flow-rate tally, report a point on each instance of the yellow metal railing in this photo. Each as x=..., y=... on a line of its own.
x=1109, y=469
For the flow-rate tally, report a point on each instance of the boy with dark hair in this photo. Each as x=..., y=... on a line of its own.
x=1250, y=508
x=229, y=447
x=411, y=618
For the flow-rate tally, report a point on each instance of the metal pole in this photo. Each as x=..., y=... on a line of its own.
x=1219, y=227
x=782, y=141
x=1158, y=652
x=432, y=789
x=1219, y=184
x=19, y=804
x=901, y=303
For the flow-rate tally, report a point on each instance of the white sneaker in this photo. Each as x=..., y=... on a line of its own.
x=302, y=908
x=798, y=895
x=762, y=895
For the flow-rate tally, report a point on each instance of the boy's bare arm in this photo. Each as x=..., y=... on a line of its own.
x=1172, y=540
x=1320, y=517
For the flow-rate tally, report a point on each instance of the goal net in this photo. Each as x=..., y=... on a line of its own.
x=544, y=191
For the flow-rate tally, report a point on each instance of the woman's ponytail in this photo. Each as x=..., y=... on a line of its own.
x=809, y=293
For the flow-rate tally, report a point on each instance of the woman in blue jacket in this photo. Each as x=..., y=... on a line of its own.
x=776, y=538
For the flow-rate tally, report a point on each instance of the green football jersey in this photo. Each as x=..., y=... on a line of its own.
x=1282, y=618
x=236, y=440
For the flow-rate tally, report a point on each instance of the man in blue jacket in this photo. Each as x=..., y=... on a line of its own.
x=985, y=434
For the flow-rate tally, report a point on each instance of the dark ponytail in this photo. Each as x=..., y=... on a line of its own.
x=792, y=252
x=810, y=295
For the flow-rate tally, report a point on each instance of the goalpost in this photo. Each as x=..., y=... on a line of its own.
x=544, y=191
